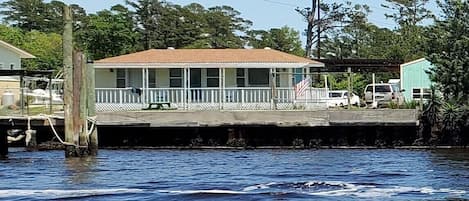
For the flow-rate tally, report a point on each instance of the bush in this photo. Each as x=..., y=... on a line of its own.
x=411, y=104
x=393, y=105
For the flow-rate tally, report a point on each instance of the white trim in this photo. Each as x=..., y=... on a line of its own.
x=401, y=67
x=23, y=54
x=413, y=62
x=206, y=65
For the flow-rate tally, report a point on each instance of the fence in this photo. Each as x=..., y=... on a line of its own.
x=259, y=98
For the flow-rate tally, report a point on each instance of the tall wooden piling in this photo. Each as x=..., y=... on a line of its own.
x=68, y=82
x=91, y=104
x=76, y=97
x=79, y=102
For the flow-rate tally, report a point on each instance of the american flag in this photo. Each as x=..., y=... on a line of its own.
x=301, y=87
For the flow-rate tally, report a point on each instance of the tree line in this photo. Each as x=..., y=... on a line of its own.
x=346, y=32
x=135, y=26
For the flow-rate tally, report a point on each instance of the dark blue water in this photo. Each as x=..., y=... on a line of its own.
x=237, y=175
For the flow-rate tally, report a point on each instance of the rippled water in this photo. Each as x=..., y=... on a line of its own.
x=237, y=175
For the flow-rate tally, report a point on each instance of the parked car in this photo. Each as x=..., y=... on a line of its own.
x=339, y=98
x=385, y=93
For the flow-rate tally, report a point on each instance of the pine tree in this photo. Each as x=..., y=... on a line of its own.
x=448, y=45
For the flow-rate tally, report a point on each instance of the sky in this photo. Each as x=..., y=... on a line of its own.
x=264, y=14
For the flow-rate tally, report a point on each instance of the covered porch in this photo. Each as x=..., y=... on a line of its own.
x=220, y=80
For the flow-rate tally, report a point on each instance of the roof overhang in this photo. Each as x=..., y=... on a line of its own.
x=206, y=65
x=413, y=62
x=23, y=54
x=360, y=65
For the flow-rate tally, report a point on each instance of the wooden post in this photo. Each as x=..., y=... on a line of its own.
x=3, y=144
x=349, y=88
x=68, y=81
x=82, y=94
x=91, y=102
x=22, y=93
x=50, y=93
x=373, y=103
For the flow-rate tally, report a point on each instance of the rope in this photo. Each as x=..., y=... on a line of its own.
x=57, y=135
x=93, y=124
x=29, y=123
x=48, y=118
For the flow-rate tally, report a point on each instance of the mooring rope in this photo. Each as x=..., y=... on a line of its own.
x=28, y=132
x=51, y=125
x=57, y=135
x=93, y=124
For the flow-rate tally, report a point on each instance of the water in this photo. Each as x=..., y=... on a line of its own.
x=237, y=175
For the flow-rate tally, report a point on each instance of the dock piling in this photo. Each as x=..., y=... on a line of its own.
x=3, y=145
x=93, y=145
x=68, y=80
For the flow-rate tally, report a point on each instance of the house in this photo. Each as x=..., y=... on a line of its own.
x=202, y=79
x=10, y=59
x=10, y=56
x=415, y=81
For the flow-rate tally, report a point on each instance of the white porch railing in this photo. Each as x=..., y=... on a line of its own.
x=246, y=98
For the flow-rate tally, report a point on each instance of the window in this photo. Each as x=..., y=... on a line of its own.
x=1, y=65
x=240, y=77
x=120, y=78
x=151, y=78
x=213, y=76
x=175, y=77
x=421, y=93
x=379, y=88
x=335, y=95
x=258, y=77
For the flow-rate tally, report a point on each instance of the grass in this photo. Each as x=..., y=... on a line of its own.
x=30, y=111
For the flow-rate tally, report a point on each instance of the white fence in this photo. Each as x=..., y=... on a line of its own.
x=260, y=98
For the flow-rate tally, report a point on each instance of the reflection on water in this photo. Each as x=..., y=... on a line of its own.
x=81, y=170
x=238, y=175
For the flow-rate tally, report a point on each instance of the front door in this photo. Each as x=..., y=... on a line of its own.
x=196, y=75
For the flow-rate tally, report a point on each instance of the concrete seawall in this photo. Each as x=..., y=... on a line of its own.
x=322, y=118
x=313, y=129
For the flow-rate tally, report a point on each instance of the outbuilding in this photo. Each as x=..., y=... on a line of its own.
x=415, y=80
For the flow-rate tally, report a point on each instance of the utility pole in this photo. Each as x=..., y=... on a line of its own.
x=309, y=14
x=319, y=29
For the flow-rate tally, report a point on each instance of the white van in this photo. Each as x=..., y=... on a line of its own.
x=385, y=93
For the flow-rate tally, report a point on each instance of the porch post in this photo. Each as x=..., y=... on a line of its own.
x=273, y=88
x=220, y=91
x=224, y=85
x=184, y=88
x=147, y=92
x=142, y=96
x=188, y=88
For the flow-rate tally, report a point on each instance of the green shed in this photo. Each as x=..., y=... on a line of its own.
x=415, y=81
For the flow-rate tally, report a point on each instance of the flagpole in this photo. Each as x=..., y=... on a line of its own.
x=294, y=91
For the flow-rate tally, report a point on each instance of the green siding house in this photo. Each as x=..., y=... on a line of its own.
x=415, y=81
